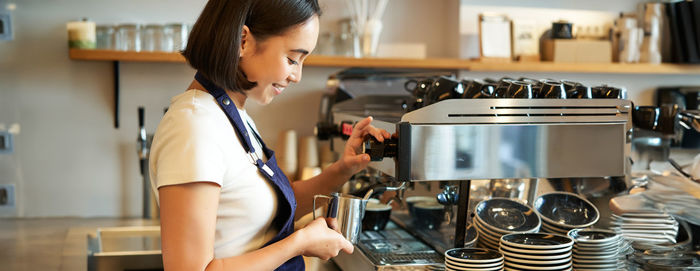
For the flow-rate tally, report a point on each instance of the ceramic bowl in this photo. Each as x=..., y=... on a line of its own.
x=566, y=209
x=507, y=215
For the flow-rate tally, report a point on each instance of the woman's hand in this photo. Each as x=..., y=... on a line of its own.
x=320, y=241
x=353, y=160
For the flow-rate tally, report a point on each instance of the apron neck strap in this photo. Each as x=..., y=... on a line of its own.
x=229, y=107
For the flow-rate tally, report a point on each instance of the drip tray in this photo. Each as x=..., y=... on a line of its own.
x=389, y=249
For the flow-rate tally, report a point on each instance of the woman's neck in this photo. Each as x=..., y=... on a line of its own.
x=237, y=97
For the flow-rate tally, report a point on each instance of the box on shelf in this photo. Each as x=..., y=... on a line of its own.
x=577, y=51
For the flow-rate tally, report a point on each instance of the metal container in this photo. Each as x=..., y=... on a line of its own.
x=347, y=212
x=125, y=248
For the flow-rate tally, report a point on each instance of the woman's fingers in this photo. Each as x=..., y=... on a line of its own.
x=361, y=125
x=347, y=246
x=365, y=127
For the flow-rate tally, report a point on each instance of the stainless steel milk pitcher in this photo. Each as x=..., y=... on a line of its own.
x=348, y=212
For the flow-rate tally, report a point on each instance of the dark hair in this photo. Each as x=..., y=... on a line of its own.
x=215, y=40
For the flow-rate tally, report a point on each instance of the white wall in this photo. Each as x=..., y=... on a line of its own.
x=70, y=161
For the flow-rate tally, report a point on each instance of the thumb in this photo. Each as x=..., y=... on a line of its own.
x=359, y=160
x=347, y=246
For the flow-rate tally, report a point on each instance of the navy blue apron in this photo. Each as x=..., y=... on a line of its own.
x=284, y=219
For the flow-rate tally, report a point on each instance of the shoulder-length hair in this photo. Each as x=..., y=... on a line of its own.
x=215, y=40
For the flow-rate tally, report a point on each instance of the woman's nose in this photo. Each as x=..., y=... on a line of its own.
x=295, y=75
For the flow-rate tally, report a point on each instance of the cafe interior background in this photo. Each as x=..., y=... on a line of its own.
x=66, y=158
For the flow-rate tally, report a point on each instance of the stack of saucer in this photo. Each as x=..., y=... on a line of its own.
x=562, y=212
x=499, y=216
x=536, y=251
x=597, y=249
x=647, y=227
x=473, y=259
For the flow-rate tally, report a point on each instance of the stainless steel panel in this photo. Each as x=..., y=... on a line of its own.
x=495, y=111
x=461, y=152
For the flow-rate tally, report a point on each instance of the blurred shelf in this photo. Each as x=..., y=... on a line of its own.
x=433, y=63
x=619, y=68
x=129, y=56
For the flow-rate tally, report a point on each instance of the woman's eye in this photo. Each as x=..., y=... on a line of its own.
x=292, y=61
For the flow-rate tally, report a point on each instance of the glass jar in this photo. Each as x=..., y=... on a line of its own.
x=105, y=35
x=154, y=39
x=129, y=37
x=349, y=39
x=177, y=34
x=326, y=44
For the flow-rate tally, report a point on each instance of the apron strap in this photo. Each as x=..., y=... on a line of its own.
x=229, y=107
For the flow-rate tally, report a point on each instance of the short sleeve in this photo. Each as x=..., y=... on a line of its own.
x=185, y=149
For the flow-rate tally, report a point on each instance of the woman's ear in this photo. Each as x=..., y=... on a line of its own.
x=247, y=42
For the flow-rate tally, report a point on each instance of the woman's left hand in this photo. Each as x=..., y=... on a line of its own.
x=353, y=160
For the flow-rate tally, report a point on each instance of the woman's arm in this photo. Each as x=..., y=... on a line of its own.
x=188, y=223
x=331, y=179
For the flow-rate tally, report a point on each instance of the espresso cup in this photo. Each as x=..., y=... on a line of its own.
x=428, y=215
x=412, y=200
x=472, y=89
x=552, y=89
x=501, y=90
x=519, y=90
x=376, y=216
x=444, y=88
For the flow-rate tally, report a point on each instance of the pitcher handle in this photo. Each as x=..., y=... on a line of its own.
x=316, y=196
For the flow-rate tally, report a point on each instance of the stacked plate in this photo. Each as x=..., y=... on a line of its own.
x=562, y=212
x=596, y=249
x=473, y=259
x=536, y=251
x=499, y=216
x=646, y=227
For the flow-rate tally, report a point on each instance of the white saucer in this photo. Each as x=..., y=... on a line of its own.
x=513, y=269
x=536, y=257
x=528, y=262
x=494, y=268
x=541, y=241
x=535, y=251
x=477, y=256
x=474, y=265
x=528, y=267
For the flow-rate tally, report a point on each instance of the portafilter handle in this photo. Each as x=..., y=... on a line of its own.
x=378, y=150
x=690, y=119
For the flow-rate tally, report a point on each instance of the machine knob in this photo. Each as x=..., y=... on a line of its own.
x=325, y=131
x=378, y=150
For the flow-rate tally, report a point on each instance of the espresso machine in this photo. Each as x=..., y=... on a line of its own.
x=482, y=132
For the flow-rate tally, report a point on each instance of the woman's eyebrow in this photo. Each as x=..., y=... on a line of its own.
x=302, y=51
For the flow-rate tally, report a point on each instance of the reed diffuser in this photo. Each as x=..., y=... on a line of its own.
x=367, y=15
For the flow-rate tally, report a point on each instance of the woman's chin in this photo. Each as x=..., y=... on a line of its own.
x=263, y=101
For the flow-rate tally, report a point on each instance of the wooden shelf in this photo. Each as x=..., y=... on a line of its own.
x=435, y=63
x=128, y=56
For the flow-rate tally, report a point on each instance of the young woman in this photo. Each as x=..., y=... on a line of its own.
x=224, y=203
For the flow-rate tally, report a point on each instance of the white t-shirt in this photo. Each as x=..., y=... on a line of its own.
x=195, y=142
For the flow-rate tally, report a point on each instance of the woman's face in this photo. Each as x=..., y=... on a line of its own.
x=276, y=62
